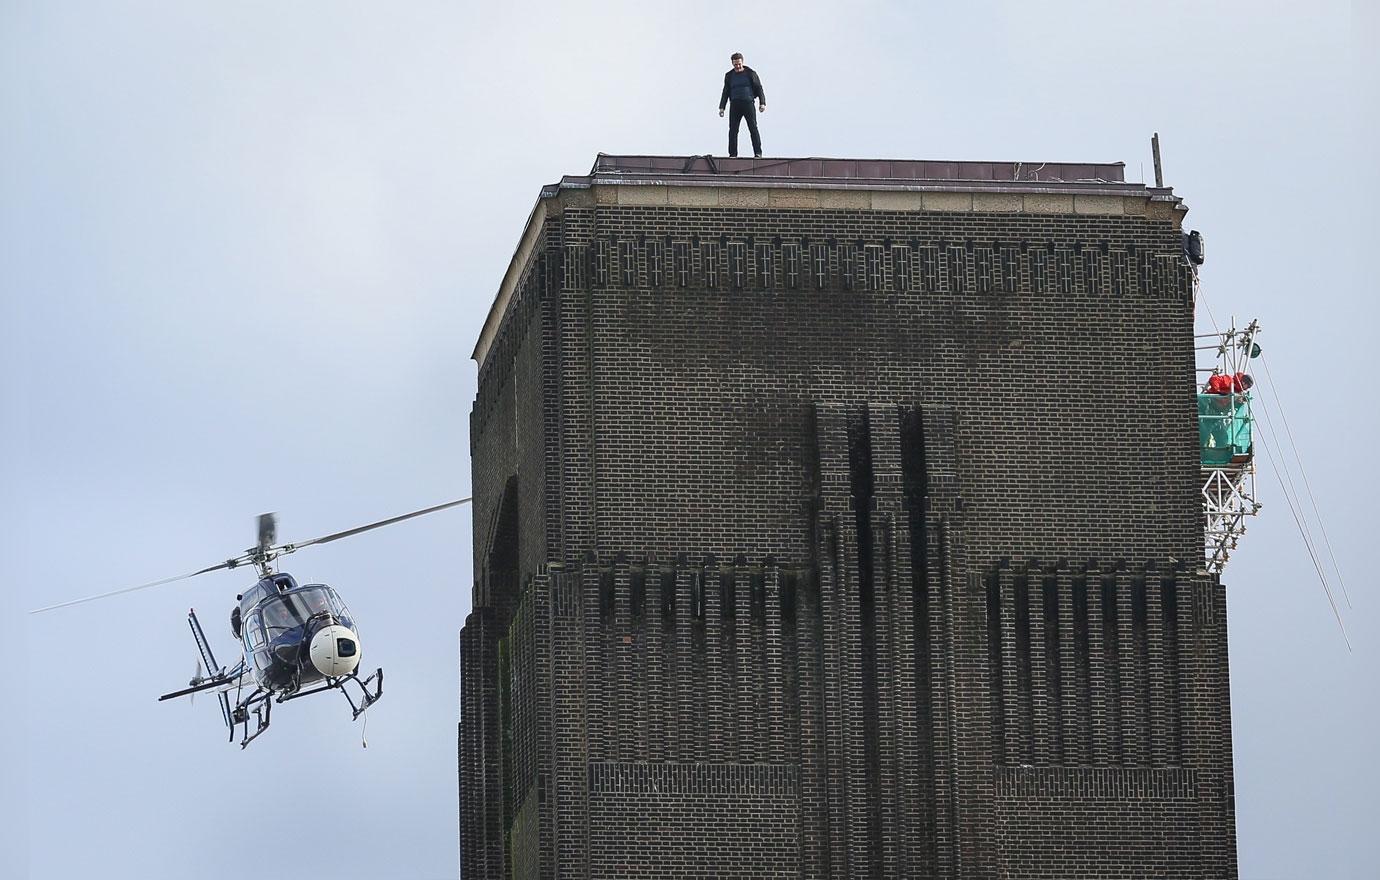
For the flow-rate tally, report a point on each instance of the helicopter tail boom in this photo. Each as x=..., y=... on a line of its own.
x=216, y=675
x=201, y=644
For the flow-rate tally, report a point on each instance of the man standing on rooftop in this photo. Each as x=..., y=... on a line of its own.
x=741, y=87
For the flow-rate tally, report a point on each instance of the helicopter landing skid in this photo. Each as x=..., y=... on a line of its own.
x=259, y=704
x=367, y=697
x=262, y=708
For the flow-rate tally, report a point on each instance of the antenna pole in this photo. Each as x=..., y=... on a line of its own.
x=1155, y=148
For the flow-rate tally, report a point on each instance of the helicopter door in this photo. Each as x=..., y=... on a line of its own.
x=255, y=643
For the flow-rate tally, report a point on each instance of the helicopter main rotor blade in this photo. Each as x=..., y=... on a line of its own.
x=182, y=577
x=326, y=539
x=268, y=531
x=259, y=555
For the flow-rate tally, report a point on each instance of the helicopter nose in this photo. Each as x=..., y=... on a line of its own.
x=335, y=651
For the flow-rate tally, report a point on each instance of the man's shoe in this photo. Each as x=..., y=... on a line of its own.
x=756, y=155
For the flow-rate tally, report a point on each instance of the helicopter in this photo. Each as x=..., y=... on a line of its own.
x=295, y=639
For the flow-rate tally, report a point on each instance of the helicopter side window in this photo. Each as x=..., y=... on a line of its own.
x=254, y=631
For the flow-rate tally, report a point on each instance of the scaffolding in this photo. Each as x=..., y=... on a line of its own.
x=1226, y=447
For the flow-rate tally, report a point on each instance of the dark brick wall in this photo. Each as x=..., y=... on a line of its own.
x=683, y=696
x=508, y=433
x=481, y=765
x=695, y=820
x=843, y=543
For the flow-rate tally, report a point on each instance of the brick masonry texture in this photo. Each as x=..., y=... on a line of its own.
x=830, y=542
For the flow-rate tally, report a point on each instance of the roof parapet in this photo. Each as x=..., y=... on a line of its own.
x=898, y=184
x=795, y=171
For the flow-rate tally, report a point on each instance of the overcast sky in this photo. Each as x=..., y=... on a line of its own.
x=245, y=252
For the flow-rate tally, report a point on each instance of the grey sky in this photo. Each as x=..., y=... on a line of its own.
x=245, y=250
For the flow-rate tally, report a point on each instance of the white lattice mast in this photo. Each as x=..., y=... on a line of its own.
x=1226, y=444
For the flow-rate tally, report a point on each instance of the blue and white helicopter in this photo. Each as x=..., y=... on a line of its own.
x=295, y=640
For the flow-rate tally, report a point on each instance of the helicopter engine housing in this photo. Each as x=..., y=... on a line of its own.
x=335, y=651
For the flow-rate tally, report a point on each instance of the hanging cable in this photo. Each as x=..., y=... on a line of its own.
x=1199, y=297
x=1292, y=493
x=1291, y=497
x=1331, y=601
x=1322, y=527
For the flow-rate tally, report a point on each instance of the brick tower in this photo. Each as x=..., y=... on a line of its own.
x=841, y=518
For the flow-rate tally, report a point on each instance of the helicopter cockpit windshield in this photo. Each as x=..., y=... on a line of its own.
x=287, y=611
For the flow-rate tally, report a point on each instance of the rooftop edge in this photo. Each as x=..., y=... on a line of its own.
x=919, y=176
x=792, y=171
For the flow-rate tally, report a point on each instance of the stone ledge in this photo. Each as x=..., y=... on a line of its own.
x=1098, y=205
x=653, y=195
x=949, y=201
x=742, y=197
x=999, y=203
x=642, y=195
x=1048, y=203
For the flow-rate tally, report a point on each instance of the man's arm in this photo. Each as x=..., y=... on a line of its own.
x=723, y=98
x=758, y=90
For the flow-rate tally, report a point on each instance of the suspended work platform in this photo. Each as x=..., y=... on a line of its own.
x=1224, y=429
x=1226, y=447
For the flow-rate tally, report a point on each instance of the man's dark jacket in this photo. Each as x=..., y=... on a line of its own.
x=756, y=86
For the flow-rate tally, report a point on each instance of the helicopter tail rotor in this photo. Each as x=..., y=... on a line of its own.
x=196, y=680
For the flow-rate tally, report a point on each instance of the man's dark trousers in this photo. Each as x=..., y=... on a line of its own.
x=738, y=110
